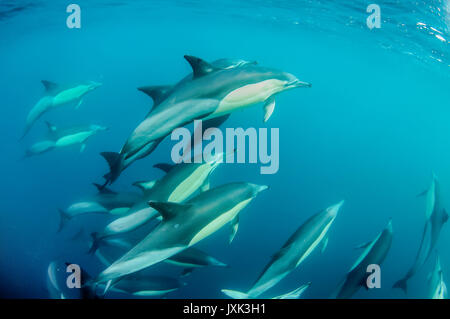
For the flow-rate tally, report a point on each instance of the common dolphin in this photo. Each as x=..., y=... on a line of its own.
x=189, y=259
x=374, y=252
x=436, y=218
x=437, y=288
x=55, y=96
x=146, y=286
x=180, y=182
x=158, y=93
x=106, y=201
x=298, y=247
x=212, y=93
x=294, y=294
x=184, y=225
x=57, y=283
x=60, y=138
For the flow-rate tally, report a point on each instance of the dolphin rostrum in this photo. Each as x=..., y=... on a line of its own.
x=212, y=93
x=55, y=96
x=436, y=218
x=184, y=225
x=299, y=246
x=374, y=252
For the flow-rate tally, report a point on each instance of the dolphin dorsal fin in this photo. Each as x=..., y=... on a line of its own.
x=145, y=185
x=199, y=67
x=103, y=189
x=164, y=167
x=49, y=86
x=157, y=92
x=169, y=210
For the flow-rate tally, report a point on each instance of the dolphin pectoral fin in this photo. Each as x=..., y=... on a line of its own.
x=363, y=245
x=102, y=189
x=82, y=148
x=49, y=86
x=402, y=284
x=324, y=244
x=145, y=186
x=51, y=127
x=199, y=66
x=205, y=186
x=234, y=228
x=444, y=216
x=169, y=210
x=78, y=104
x=269, y=106
x=235, y=294
x=422, y=193
x=186, y=272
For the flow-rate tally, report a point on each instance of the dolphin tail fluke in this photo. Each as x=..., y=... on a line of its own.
x=235, y=294
x=64, y=218
x=115, y=163
x=95, y=243
x=402, y=284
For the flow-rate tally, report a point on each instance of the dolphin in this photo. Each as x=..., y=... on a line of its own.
x=294, y=294
x=299, y=246
x=180, y=182
x=184, y=225
x=189, y=259
x=158, y=93
x=57, y=283
x=437, y=288
x=60, y=138
x=436, y=218
x=57, y=95
x=146, y=286
x=212, y=93
x=374, y=252
x=106, y=201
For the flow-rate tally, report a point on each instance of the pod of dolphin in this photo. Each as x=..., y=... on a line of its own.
x=183, y=206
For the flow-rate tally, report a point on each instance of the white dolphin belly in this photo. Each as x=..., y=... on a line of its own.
x=248, y=95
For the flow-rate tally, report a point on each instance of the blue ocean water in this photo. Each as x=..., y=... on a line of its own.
x=371, y=130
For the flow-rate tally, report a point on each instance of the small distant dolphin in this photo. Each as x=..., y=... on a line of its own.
x=146, y=286
x=299, y=246
x=436, y=218
x=374, y=253
x=57, y=283
x=212, y=93
x=183, y=226
x=437, y=288
x=106, y=201
x=294, y=294
x=179, y=183
x=59, y=138
x=55, y=96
